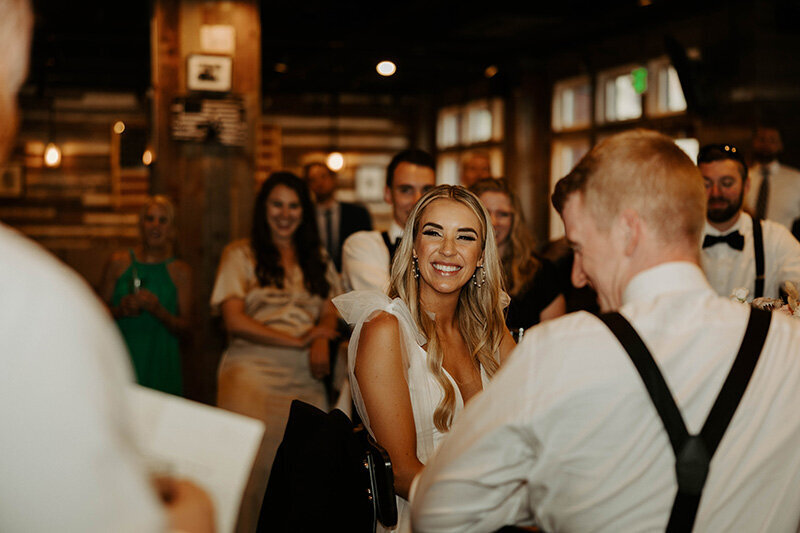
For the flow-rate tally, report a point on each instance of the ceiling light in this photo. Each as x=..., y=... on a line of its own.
x=386, y=68
x=335, y=161
x=490, y=71
x=147, y=157
x=119, y=127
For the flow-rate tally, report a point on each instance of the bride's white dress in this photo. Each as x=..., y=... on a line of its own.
x=358, y=307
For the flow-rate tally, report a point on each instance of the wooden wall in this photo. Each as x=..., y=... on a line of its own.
x=75, y=210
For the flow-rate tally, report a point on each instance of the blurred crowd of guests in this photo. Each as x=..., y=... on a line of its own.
x=433, y=301
x=274, y=290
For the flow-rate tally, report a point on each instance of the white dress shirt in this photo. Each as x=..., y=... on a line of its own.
x=67, y=459
x=728, y=269
x=365, y=260
x=783, y=200
x=566, y=430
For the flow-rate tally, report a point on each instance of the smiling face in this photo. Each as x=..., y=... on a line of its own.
x=156, y=226
x=502, y=212
x=284, y=213
x=725, y=191
x=597, y=253
x=447, y=246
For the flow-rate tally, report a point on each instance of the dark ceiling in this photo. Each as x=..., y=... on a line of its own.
x=333, y=47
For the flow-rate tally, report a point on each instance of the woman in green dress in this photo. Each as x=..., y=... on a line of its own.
x=149, y=293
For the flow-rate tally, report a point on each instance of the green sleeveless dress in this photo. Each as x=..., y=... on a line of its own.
x=154, y=350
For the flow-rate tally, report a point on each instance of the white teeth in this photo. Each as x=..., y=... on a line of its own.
x=447, y=268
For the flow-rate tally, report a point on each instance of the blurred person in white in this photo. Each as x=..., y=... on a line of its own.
x=775, y=188
x=731, y=245
x=367, y=255
x=566, y=435
x=68, y=461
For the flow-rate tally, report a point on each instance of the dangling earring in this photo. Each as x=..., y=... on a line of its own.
x=482, y=281
x=416, y=268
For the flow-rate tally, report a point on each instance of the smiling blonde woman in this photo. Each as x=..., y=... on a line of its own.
x=418, y=354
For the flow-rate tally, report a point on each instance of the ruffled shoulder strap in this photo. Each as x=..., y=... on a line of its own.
x=357, y=307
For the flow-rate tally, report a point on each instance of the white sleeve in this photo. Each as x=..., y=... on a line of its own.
x=68, y=462
x=365, y=262
x=786, y=251
x=478, y=480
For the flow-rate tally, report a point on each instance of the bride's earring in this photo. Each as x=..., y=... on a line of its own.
x=416, y=268
x=475, y=277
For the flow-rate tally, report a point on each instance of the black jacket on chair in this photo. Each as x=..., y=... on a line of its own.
x=318, y=479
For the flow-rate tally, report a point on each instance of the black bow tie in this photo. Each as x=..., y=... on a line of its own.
x=734, y=239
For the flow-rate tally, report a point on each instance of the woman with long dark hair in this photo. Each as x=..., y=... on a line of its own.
x=273, y=292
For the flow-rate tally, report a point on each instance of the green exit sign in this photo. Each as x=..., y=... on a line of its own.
x=639, y=80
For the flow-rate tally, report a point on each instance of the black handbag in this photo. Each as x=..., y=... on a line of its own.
x=380, y=491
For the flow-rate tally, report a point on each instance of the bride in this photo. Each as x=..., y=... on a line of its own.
x=417, y=355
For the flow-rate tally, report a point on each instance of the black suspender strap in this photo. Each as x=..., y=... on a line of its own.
x=758, y=245
x=693, y=453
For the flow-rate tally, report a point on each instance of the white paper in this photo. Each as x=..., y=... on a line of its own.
x=209, y=446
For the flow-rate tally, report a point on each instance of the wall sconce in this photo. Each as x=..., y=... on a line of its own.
x=52, y=155
x=335, y=161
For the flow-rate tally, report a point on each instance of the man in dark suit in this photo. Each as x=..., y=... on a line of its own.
x=336, y=220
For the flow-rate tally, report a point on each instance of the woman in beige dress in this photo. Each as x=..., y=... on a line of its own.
x=273, y=291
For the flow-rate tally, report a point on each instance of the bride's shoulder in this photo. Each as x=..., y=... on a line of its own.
x=382, y=324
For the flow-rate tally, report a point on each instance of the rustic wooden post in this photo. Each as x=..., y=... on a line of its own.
x=212, y=184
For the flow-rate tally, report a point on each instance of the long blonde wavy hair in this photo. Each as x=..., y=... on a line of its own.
x=479, y=311
x=519, y=263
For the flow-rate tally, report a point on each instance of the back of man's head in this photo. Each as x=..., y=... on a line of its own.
x=645, y=171
x=415, y=156
x=15, y=26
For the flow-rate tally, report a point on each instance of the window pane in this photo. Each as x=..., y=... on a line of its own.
x=675, y=99
x=690, y=146
x=447, y=169
x=447, y=128
x=479, y=125
x=628, y=103
x=572, y=104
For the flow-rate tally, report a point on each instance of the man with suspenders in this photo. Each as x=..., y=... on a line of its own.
x=737, y=250
x=674, y=410
x=367, y=255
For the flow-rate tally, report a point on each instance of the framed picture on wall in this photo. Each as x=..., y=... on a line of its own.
x=11, y=181
x=209, y=73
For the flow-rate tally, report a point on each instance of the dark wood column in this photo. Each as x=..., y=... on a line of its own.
x=212, y=185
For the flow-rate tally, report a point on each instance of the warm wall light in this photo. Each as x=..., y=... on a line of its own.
x=52, y=155
x=119, y=127
x=386, y=68
x=335, y=161
x=490, y=71
x=147, y=157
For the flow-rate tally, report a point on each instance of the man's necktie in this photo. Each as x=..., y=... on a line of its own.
x=734, y=239
x=329, y=231
x=763, y=194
